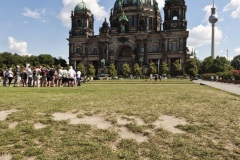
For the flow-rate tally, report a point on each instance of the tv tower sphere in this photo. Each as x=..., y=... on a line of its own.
x=213, y=19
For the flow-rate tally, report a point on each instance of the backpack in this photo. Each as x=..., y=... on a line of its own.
x=43, y=72
x=51, y=72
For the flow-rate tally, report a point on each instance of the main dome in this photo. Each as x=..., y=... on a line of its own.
x=81, y=7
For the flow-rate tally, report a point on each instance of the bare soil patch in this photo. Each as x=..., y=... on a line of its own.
x=4, y=114
x=126, y=134
x=5, y=157
x=12, y=125
x=39, y=125
x=169, y=123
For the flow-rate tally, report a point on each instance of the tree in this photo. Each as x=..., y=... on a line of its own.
x=207, y=65
x=112, y=70
x=60, y=61
x=177, y=68
x=152, y=68
x=91, y=70
x=81, y=68
x=46, y=59
x=164, y=68
x=236, y=62
x=220, y=64
x=126, y=70
x=137, y=71
x=191, y=67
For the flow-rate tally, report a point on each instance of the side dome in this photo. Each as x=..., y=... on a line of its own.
x=118, y=4
x=81, y=7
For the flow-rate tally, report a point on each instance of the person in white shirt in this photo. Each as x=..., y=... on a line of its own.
x=60, y=77
x=71, y=75
x=30, y=76
x=79, y=77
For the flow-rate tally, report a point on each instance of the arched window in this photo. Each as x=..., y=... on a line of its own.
x=152, y=2
x=79, y=50
x=79, y=23
x=175, y=18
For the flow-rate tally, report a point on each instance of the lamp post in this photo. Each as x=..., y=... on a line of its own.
x=158, y=66
x=141, y=61
x=227, y=55
x=75, y=65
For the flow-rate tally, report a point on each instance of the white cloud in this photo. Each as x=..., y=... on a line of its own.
x=36, y=14
x=237, y=51
x=236, y=13
x=161, y=4
x=234, y=6
x=201, y=35
x=208, y=11
x=98, y=11
x=17, y=47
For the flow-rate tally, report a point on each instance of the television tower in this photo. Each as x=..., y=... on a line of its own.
x=213, y=19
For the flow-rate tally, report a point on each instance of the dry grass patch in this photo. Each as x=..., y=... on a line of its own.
x=211, y=130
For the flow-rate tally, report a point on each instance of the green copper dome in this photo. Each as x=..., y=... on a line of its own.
x=80, y=7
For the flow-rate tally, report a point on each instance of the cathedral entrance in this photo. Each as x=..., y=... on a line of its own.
x=125, y=55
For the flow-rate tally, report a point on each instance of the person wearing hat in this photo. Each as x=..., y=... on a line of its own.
x=17, y=76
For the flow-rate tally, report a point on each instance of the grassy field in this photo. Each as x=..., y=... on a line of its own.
x=31, y=130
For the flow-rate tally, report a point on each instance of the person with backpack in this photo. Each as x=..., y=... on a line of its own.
x=51, y=76
x=17, y=76
x=24, y=77
x=43, y=73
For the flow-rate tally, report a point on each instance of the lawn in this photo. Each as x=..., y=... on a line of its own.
x=120, y=119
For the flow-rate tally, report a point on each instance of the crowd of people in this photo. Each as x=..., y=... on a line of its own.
x=41, y=77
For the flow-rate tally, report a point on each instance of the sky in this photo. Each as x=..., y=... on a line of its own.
x=34, y=27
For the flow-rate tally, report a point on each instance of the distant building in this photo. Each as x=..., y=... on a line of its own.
x=136, y=34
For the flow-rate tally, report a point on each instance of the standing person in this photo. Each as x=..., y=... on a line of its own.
x=38, y=76
x=24, y=77
x=71, y=74
x=10, y=76
x=151, y=77
x=156, y=77
x=30, y=75
x=5, y=77
x=17, y=76
x=51, y=76
x=79, y=77
x=65, y=74
x=212, y=78
x=43, y=73
x=60, y=77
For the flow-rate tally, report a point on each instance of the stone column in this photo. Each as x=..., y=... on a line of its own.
x=160, y=45
x=138, y=49
x=70, y=53
x=107, y=54
x=145, y=52
x=164, y=50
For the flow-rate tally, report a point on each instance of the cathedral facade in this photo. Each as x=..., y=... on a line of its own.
x=136, y=34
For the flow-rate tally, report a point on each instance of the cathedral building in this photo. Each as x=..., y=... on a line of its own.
x=137, y=33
